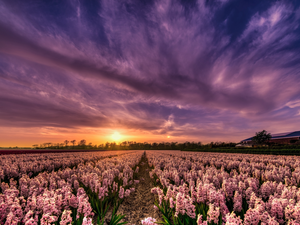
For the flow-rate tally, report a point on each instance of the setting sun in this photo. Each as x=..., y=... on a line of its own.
x=116, y=136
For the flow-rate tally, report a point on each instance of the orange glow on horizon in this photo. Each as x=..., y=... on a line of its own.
x=26, y=137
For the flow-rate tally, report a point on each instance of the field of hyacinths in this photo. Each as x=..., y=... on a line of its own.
x=216, y=188
x=65, y=188
x=189, y=188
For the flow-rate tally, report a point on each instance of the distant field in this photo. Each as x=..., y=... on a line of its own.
x=31, y=151
x=264, y=151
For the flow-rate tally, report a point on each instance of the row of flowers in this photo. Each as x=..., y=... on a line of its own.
x=217, y=188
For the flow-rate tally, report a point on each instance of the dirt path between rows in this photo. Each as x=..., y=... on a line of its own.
x=140, y=204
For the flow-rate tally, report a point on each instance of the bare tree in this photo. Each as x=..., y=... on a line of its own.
x=66, y=143
x=73, y=142
x=82, y=143
x=47, y=145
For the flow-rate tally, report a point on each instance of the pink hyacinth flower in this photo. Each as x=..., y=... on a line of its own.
x=149, y=221
x=87, y=221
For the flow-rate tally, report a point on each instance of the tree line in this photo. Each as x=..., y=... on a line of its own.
x=261, y=139
x=132, y=145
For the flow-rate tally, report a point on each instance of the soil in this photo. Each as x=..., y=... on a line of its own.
x=140, y=204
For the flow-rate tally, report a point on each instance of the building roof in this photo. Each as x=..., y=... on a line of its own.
x=281, y=135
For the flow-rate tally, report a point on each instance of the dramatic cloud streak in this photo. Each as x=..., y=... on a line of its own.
x=198, y=70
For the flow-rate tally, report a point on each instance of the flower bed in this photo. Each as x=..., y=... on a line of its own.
x=79, y=194
x=215, y=188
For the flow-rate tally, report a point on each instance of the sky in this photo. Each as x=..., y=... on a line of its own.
x=149, y=70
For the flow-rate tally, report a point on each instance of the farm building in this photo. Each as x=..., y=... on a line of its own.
x=281, y=138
